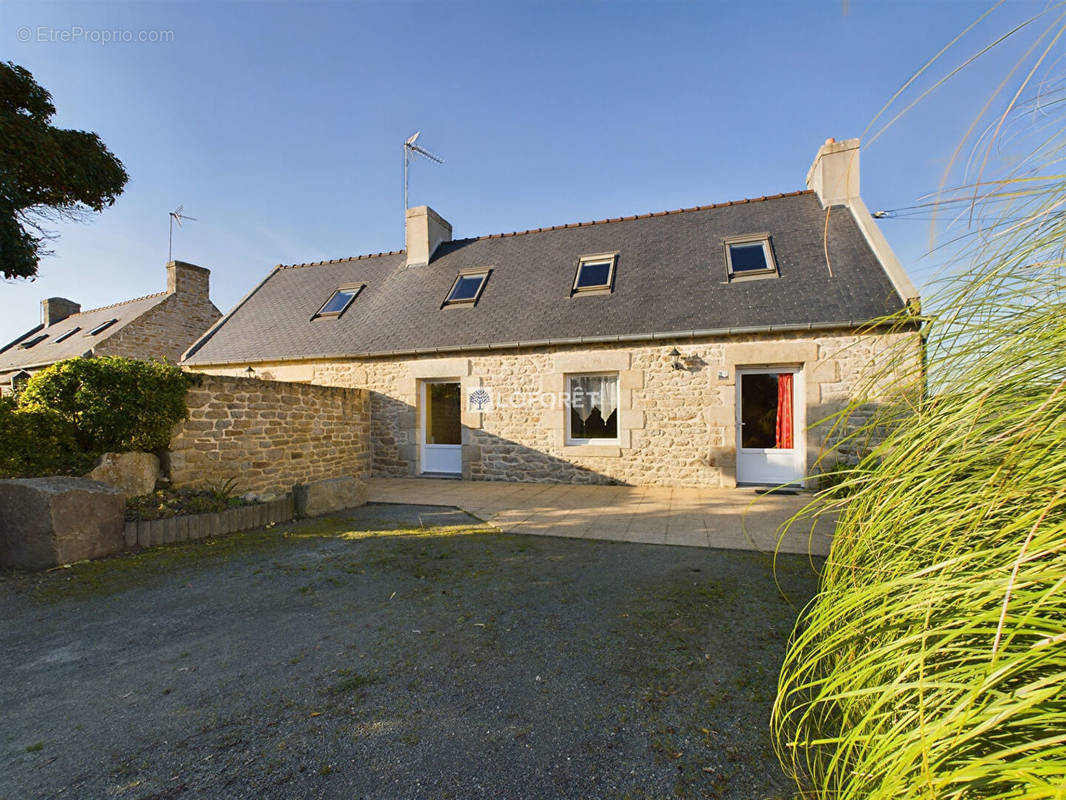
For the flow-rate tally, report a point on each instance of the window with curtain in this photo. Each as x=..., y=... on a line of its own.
x=767, y=411
x=593, y=408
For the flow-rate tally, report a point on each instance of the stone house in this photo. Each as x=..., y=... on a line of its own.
x=687, y=347
x=158, y=326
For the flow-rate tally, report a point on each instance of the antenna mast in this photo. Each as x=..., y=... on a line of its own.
x=176, y=216
x=410, y=147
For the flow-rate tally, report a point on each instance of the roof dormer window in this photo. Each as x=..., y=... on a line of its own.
x=595, y=273
x=468, y=286
x=103, y=326
x=36, y=340
x=63, y=337
x=339, y=301
x=750, y=257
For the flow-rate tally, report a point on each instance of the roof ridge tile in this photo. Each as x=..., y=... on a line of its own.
x=565, y=226
x=116, y=305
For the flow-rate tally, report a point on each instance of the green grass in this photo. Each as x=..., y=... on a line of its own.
x=932, y=663
x=120, y=573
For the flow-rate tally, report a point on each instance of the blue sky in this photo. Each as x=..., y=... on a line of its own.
x=280, y=125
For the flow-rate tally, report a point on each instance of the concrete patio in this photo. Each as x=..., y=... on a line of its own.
x=736, y=519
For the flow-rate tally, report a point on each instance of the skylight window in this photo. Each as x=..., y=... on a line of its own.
x=595, y=273
x=467, y=287
x=63, y=337
x=103, y=326
x=339, y=301
x=36, y=340
x=750, y=257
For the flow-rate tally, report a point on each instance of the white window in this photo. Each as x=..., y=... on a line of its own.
x=339, y=301
x=592, y=411
x=750, y=257
x=595, y=273
x=467, y=287
x=103, y=326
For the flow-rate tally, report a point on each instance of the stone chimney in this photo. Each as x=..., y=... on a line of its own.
x=426, y=229
x=834, y=175
x=188, y=280
x=57, y=309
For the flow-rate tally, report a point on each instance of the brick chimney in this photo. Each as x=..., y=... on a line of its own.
x=426, y=229
x=188, y=280
x=834, y=175
x=57, y=309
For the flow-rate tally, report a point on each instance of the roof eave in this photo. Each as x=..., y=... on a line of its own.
x=703, y=333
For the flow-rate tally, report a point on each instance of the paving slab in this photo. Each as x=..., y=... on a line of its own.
x=736, y=519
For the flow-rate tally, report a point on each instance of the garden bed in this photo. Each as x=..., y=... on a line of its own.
x=185, y=527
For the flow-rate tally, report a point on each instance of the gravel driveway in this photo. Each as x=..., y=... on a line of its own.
x=362, y=657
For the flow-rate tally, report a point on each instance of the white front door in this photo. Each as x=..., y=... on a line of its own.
x=770, y=427
x=442, y=431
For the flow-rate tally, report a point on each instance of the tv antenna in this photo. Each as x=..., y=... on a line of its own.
x=410, y=146
x=176, y=216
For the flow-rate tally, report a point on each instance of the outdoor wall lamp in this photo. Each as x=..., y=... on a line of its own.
x=675, y=355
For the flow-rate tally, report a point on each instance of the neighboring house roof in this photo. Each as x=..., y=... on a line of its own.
x=48, y=351
x=670, y=278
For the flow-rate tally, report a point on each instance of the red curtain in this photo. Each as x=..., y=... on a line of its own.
x=784, y=410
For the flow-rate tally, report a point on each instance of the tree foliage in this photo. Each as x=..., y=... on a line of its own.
x=37, y=442
x=45, y=172
x=114, y=404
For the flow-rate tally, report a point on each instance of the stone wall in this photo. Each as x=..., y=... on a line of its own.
x=676, y=426
x=164, y=331
x=269, y=435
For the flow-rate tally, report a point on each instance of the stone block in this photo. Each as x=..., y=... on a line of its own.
x=326, y=496
x=49, y=521
x=131, y=473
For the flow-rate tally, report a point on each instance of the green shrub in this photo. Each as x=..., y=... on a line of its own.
x=114, y=404
x=36, y=442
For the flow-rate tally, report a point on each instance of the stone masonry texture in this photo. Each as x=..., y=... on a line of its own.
x=678, y=425
x=268, y=435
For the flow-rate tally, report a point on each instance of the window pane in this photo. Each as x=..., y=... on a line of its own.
x=466, y=287
x=593, y=407
x=758, y=411
x=594, y=274
x=443, y=414
x=337, y=303
x=747, y=257
x=67, y=335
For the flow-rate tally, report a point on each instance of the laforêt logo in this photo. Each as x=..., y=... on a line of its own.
x=479, y=398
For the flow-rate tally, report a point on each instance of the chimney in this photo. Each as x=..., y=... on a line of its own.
x=834, y=175
x=188, y=280
x=426, y=229
x=57, y=309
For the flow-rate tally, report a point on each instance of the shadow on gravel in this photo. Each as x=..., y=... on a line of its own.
x=396, y=651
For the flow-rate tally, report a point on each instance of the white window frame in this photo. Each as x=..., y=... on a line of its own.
x=355, y=288
x=750, y=274
x=579, y=442
x=103, y=326
x=484, y=272
x=601, y=288
x=64, y=336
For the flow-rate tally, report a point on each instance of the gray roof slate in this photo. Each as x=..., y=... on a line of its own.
x=14, y=357
x=670, y=277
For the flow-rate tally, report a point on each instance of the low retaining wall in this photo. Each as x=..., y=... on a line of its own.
x=148, y=533
x=269, y=435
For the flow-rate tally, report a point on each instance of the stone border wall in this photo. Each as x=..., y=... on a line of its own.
x=268, y=435
x=149, y=533
x=677, y=427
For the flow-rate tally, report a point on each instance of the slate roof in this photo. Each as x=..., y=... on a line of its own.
x=670, y=277
x=14, y=357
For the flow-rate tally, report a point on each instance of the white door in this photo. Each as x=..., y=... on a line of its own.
x=770, y=427
x=442, y=431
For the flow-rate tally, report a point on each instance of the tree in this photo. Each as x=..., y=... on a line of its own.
x=46, y=173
